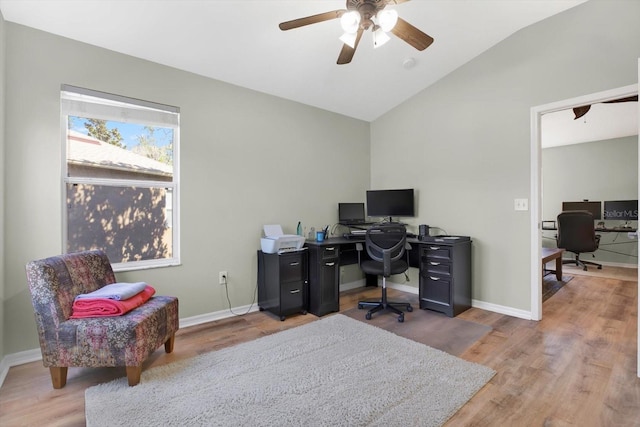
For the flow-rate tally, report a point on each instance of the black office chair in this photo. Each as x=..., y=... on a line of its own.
x=386, y=246
x=576, y=234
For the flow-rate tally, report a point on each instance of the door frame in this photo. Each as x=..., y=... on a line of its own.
x=536, y=184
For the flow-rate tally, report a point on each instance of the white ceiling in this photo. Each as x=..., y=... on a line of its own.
x=239, y=42
x=602, y=122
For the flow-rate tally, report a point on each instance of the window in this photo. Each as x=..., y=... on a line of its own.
x=120, y=178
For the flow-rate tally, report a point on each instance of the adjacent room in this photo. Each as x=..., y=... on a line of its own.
x=242, y=162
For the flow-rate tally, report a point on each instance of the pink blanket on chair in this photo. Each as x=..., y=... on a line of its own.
x=98, y=307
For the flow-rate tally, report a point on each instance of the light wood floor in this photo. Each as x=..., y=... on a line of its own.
x=576, y=367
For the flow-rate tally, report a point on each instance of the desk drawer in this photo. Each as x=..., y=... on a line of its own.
x=435, y=265
x=292, y=297
x=437, y=252
x=330, y=252
x=292, y=268
x=436, y=289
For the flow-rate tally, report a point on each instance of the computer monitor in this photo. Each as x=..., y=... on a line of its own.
x=594, y=207
x=351, y=213
x=390, y=203
x=626, y=210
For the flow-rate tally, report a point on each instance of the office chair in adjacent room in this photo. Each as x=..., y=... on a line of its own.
x=576, y=234
x=386, y=246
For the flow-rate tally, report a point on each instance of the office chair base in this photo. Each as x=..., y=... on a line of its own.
x=383, y=304
x=581, y=263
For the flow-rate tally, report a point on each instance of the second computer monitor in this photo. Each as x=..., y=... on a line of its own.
x=626, y=210
x=351, y=213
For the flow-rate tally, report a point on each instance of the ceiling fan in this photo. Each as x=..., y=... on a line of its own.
x=361, y=15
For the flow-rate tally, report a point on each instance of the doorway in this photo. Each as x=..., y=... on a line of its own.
x=536, y=183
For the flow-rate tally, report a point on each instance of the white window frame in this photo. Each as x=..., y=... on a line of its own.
x=81, y=102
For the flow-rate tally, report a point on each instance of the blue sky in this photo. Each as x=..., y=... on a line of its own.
x=129, y=132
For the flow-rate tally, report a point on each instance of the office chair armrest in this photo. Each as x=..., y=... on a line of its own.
x=407, y=248
x=359, y=249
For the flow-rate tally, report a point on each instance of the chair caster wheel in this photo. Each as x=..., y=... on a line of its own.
x=599, y=267
x=367, y=316
x=401, y=318
x=282, y=318
x=360, y=307
x=304, y=312
x=409, y=308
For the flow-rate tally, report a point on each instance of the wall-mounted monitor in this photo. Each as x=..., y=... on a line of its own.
x=351, y=213
x=625, y=210
x=594, y=207
x=390, y=203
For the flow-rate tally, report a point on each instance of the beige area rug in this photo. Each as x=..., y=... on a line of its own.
x=437, y=330
x=334, y=371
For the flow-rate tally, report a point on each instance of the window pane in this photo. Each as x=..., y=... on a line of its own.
x=116, y=150
x=128, y=223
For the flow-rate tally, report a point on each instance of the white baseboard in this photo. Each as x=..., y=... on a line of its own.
x=501, y=309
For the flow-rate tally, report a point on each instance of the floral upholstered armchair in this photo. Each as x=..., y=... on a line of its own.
x=124, y=340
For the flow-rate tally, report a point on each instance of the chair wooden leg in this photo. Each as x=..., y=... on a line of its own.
x=58, y=376
x=168, y=345
x=133, y=374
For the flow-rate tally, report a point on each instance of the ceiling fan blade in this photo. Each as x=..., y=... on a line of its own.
x=633, y=98
x=412, y=35
x=581, y=111
x=313, y=19
x=346, y=54
x=392, y=2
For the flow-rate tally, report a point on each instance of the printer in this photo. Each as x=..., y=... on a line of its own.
x=275, y=241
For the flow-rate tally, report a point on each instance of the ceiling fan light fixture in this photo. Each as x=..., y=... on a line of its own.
x=349, y=39
x=379, y=37
x=387, y=19
x=350, y=21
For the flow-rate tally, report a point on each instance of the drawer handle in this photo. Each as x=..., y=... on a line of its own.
x=434, y=278
x=293, y=264
x=329, y=264
x=434, y=263
x=434, y=248
x=329, y=249
x=295, y=291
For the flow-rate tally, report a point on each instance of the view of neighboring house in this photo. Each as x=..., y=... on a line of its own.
x=98, y=211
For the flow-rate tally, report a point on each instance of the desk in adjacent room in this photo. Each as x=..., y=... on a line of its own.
x=548, y=255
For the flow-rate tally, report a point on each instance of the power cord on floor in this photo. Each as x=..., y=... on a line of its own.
x=226, y=291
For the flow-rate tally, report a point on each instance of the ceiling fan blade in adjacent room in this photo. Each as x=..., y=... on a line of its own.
x=633, y=98
x=411, y=35
x=346, y=54
x=313, y=19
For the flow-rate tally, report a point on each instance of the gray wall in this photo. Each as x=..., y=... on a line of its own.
x=600, y=170
x=247, y=159
x=464, y=142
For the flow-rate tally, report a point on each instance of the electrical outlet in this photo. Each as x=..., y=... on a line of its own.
x=521, y=204
x=222, y=278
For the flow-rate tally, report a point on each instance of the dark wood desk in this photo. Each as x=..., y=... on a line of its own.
x=444, y=269
x=548, y=255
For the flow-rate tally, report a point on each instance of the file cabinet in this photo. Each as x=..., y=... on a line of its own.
x=445, y=277
x=283, y=283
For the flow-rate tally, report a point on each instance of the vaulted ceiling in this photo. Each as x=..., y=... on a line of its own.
x=239, y=42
